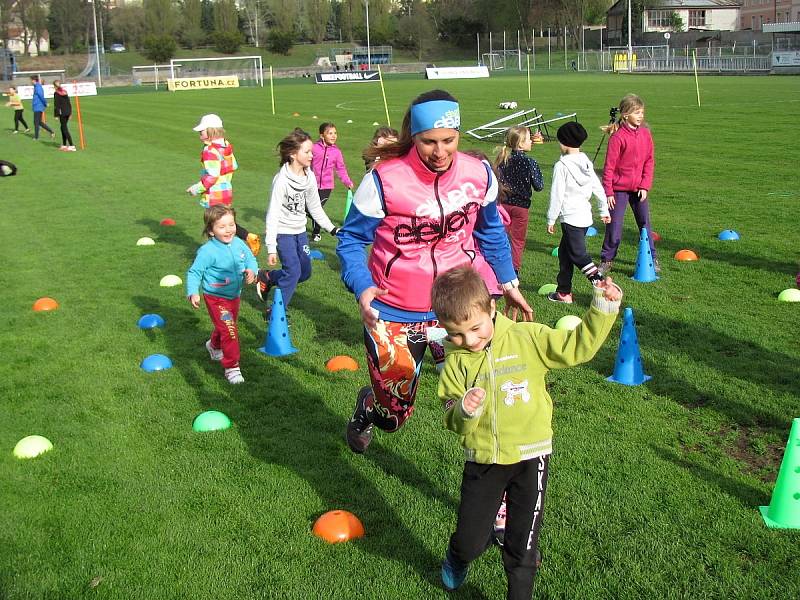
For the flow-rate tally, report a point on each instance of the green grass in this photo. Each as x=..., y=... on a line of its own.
x=654, y=490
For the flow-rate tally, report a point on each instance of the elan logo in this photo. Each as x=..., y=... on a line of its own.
x=450, y=120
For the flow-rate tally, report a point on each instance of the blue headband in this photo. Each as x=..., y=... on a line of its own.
x=434, y=114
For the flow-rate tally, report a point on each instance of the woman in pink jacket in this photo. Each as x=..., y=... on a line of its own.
x=425, y=208
x=326, y=159
x=628, y=177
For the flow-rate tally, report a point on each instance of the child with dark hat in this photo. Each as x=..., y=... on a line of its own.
x=574, y=183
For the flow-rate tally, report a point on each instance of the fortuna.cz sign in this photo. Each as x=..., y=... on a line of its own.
x=348, y=77
x=202, y=83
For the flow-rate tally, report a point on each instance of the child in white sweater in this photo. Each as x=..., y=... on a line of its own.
x=574, y=182
x=294, y=190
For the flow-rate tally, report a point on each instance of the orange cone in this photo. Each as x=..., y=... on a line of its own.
x=686, y=255
x=338, y=526
x=43, y=304
x=341, y=363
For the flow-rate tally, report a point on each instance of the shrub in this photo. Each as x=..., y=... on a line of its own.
x=159, y=48
x=280, y=42
x=228, y=42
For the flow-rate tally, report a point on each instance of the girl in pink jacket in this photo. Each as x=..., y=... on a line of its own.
x=327, y=158
x=628, y=177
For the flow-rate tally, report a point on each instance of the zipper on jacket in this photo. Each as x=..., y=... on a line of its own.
x=441, y=221
x=324, y=162
x=495, y=445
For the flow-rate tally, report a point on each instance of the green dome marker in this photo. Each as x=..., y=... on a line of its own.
x=547, y=288
x=211, y=420
x=32, y=446
x=789, y=295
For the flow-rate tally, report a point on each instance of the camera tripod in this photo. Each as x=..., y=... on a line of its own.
x=611, y=121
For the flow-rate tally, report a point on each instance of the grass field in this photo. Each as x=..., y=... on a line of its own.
x=654, y=490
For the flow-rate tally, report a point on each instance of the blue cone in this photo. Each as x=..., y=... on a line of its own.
x=156, y=362
x=628, y=366
x=645, y=264
x=591, y=231
x=277, y=342
x=316, y=255
x=729, y=235
x=151, y=321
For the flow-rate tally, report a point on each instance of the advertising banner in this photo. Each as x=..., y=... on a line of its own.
x=202, y=83
x=456, y=72
x=82, y=88
x=786, y=58
x=348, y=77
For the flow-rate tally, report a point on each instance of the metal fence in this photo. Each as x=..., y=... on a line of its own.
x=705, y=64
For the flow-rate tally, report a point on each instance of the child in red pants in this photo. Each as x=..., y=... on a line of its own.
x=221, y=267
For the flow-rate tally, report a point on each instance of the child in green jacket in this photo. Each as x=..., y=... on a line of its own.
x=493, y=390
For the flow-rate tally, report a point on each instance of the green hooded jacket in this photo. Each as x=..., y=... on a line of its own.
x=514, y=423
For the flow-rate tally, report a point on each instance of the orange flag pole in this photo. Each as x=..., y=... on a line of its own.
x=80, y=120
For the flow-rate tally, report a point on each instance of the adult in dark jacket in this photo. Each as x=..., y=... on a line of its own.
x=63, y=110
x=39, y=103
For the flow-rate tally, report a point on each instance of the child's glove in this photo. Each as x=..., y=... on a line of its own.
x=196, y=189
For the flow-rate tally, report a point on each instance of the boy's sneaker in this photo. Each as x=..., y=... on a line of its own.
x=214, y=353
x=63, y=148
x=254, y=243
x=71, y=149
x=234, y=375
x=559, y=297
x=263, y=284
x=605, y=267
x=15, y=131
x=453, y=572
x=359, y=428
x=317, y=237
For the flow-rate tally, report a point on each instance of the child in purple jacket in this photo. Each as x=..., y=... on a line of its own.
x=326, y=158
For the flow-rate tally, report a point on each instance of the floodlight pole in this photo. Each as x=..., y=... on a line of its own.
x=630, y=45
x=369, y=57
x=96, y=44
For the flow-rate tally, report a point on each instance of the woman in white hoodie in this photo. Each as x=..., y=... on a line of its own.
x=574, y=182
x=294, y=189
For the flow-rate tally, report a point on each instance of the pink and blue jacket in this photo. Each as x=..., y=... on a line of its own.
x=325, y=159
x=219, y=163
x=629, y=160
x=421, y=223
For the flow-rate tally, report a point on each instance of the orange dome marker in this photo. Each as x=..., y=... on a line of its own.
x=686, y=255
x=43, y=304
x=655, y=237
x=341, y=363
x=338, y=526
x=168, y=222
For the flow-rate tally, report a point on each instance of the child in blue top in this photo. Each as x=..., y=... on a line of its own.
x=222, y=265
x=520, y=175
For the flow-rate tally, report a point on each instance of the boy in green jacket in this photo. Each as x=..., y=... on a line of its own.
x=493, y=390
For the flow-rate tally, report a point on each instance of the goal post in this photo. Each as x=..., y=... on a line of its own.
x=150, y=74
x=494, y=61
x=249, y=69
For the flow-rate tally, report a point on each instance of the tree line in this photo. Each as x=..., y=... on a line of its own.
x=158, y=26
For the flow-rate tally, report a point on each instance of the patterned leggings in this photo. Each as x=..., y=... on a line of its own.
x=394, y=355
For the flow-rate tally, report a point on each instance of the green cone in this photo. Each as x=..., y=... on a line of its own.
x=783, y=511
